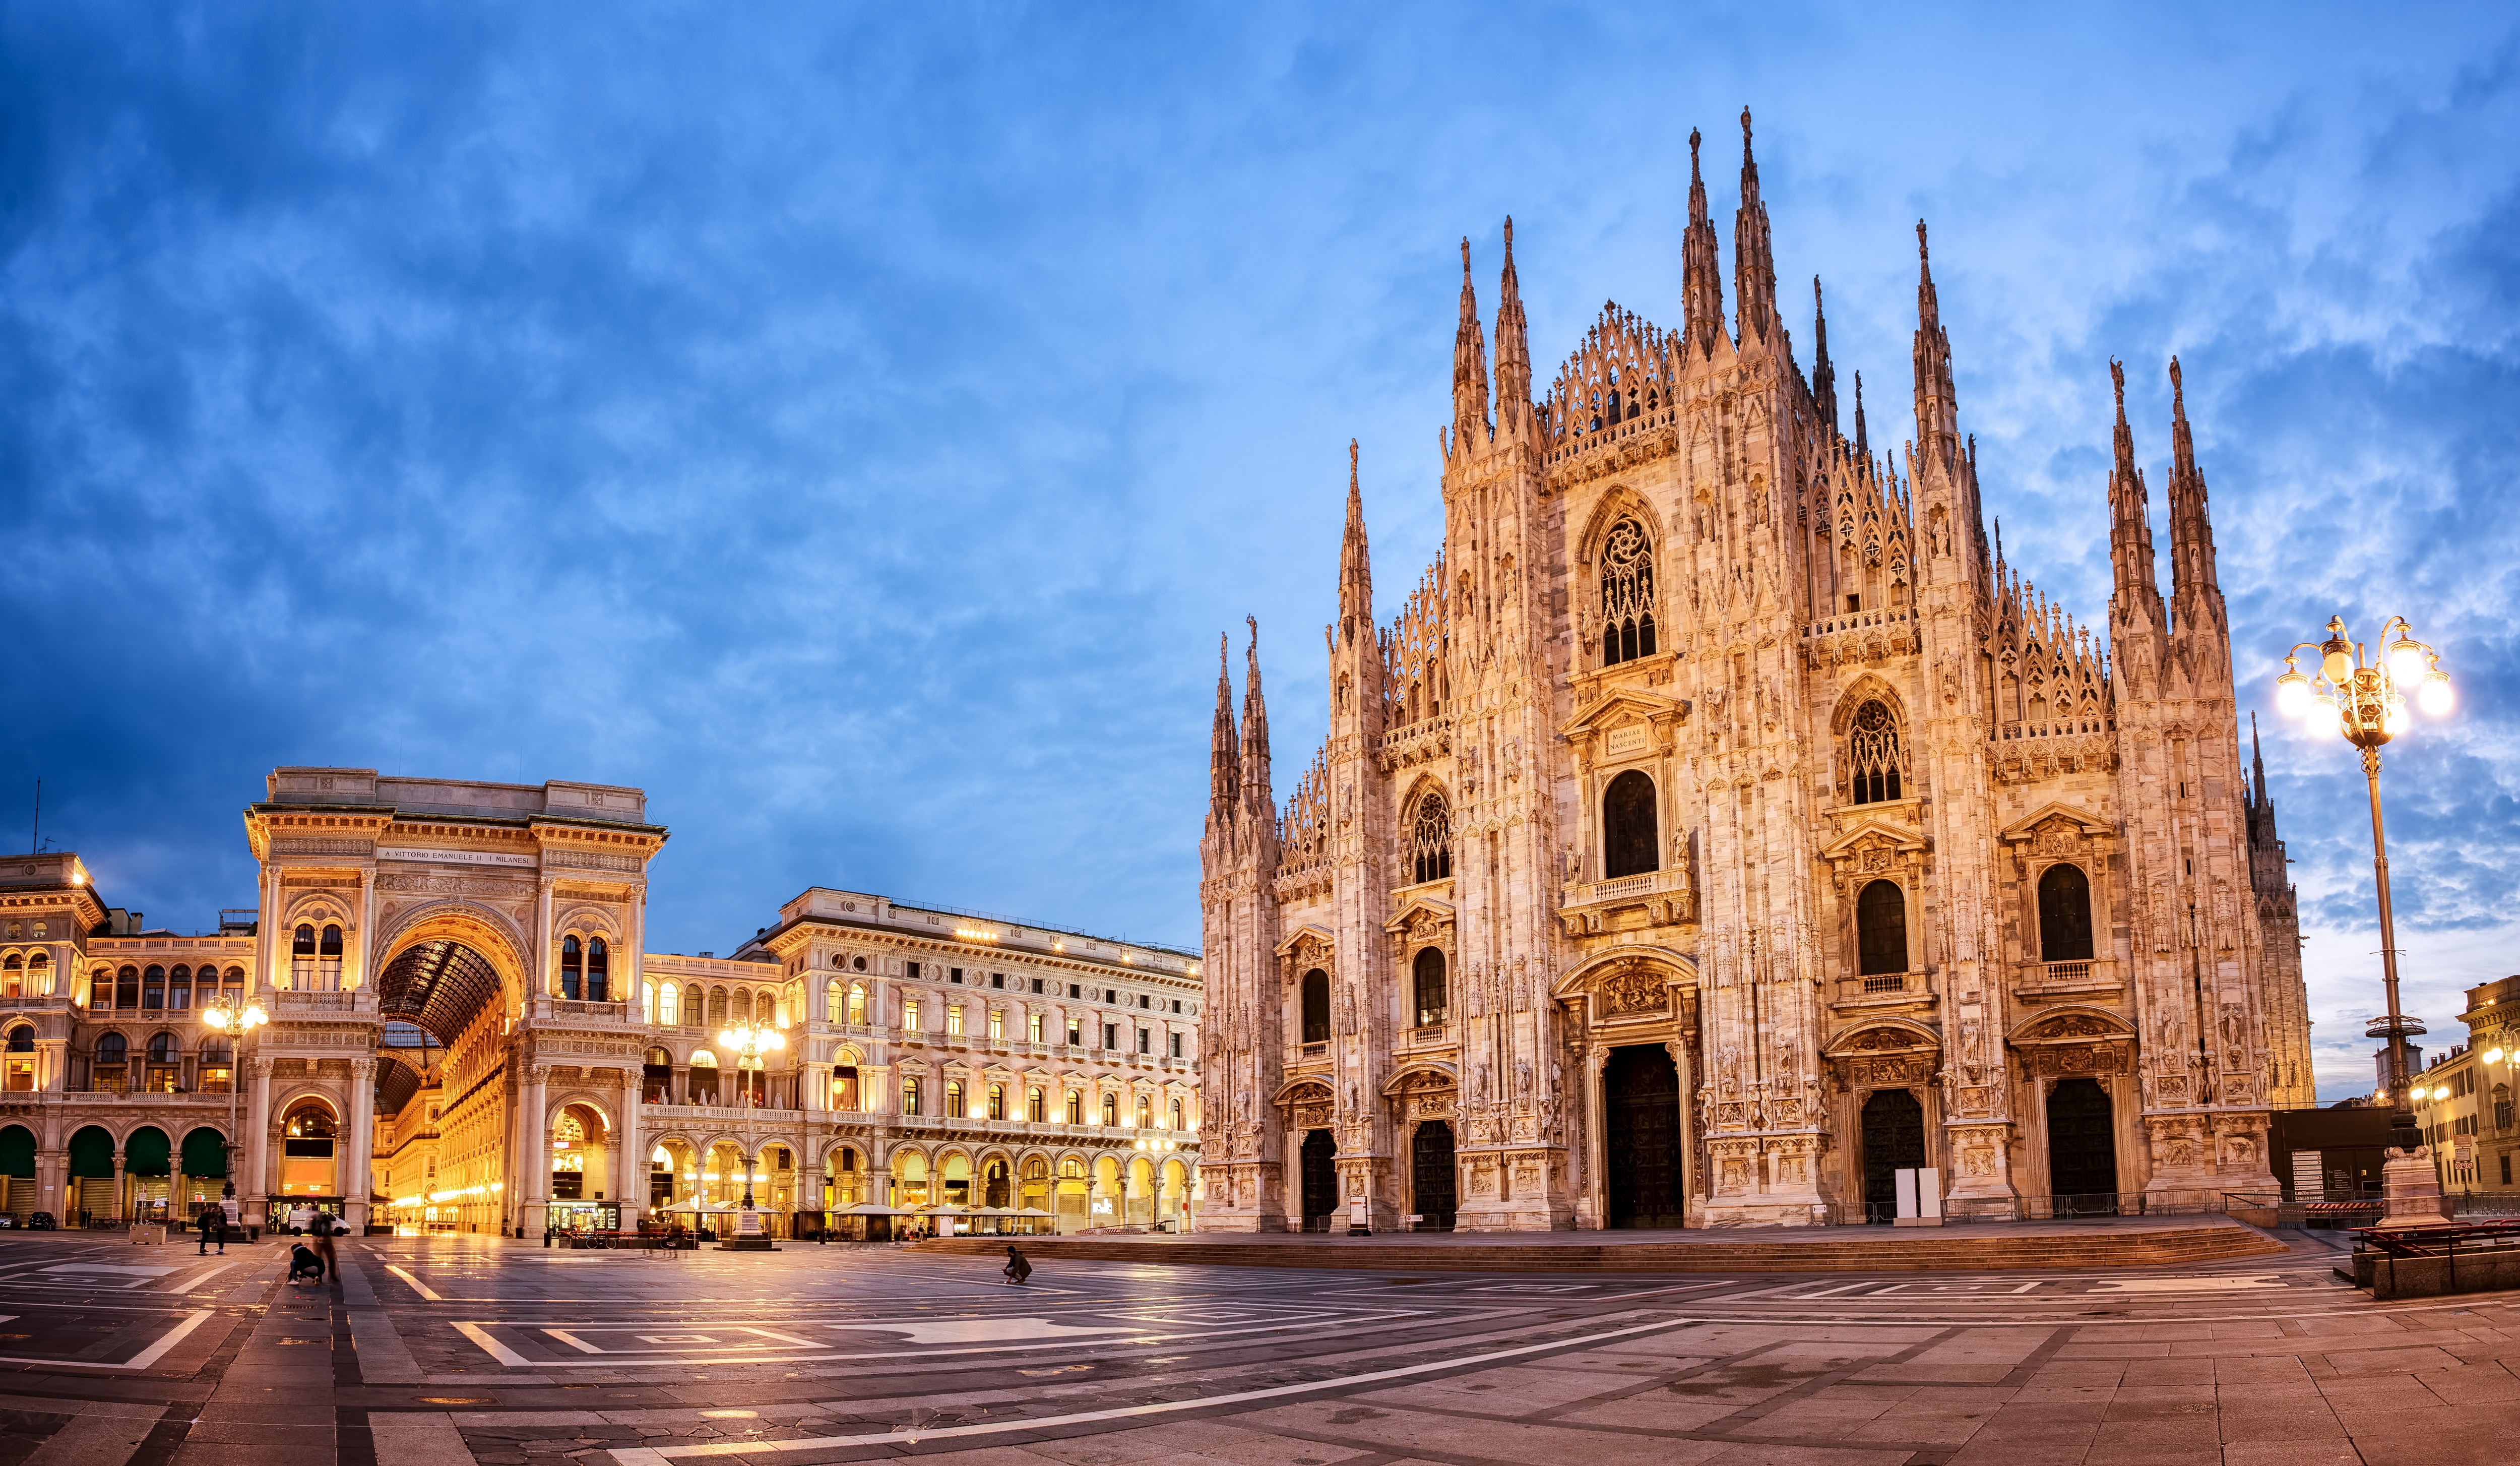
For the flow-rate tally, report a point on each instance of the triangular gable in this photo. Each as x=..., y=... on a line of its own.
x=1440, y=911
x=1621, y=703
x=1901, y=836
x=2028, y=825
x=1287, y=946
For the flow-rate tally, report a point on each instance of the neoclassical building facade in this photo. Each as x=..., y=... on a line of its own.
x=1722, y=824
x=467, y=1034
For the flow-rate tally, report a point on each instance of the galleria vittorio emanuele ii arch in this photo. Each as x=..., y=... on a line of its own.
x=466, y=1033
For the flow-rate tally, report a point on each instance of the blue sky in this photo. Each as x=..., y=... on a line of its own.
x=854, y=425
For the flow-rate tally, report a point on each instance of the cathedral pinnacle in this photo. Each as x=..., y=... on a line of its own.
x=2136, y=596
x=1702, y=277
x=1356, y=570
x=1469, y=366
x=2191, y=527
x=1824, y=376
x=1938, y=415
x=1513, y=338
x=1754, y=267
x=1256, y=795
x=1863, y=447
x=1224, y=758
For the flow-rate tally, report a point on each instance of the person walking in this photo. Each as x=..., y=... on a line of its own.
x=208, y=1221
x=1018, y=1270
x=323, y=1224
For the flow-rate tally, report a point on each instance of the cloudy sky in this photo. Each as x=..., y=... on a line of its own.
x=855, y=424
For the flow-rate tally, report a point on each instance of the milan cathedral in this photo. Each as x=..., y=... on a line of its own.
x=1723, y=827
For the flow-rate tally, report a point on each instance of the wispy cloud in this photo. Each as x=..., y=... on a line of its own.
x=856, y=430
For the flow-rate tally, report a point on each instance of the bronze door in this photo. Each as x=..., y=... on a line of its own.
x=1431, y=1175
x=2082, y=1148
x=1894, y=1140
x=1640, y=1097
x=1321, y=1181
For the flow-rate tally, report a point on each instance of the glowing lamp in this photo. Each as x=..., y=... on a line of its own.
x=2407, y=658
x=2336, y=657
x=2434, y=695
x=2292, y=694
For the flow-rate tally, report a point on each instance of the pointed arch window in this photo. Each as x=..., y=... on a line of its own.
x=1317, y=1006
x=1873, y=757
x=1630, y=845
x=1430, y=839
x=2064, y=914
x=1627, y=594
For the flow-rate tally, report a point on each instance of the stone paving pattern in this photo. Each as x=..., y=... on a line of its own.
x=873, y=1353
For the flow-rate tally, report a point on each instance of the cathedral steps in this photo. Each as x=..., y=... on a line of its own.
x=1830, y=1249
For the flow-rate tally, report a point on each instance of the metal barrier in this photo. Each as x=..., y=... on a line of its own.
x=2422, y=1259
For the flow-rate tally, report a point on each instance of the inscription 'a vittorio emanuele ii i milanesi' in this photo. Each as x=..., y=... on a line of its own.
x=1721, y=826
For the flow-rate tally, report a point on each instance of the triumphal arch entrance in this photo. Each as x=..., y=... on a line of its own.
x=476, y=940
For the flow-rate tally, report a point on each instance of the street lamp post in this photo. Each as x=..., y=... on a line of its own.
x=232, y=1013
x=750, y=1045
x=2366, y=704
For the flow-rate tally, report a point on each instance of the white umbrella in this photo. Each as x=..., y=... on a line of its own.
x=1031, y=1212
x=875, y=1208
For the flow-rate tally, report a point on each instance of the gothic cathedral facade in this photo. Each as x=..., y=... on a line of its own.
x=1723, y=827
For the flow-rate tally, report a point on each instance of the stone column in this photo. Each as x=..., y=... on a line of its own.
x=355, y=1182
x=629, y=1151
x=1597, y=1194
x=254, y=1193
x=121, y=1208
x=533, y=1155
x=546, y=981
x=1679, y=1052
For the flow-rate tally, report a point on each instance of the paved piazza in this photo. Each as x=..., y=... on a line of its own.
x=497, y=1350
